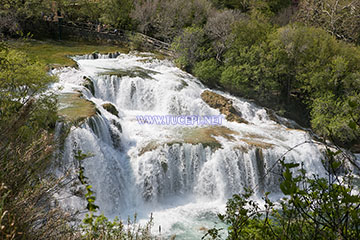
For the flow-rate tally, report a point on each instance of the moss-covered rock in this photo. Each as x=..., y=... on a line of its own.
x=355, y=148
x=204, y=136
x=224, y=105
x=282, y=121
x=74, y=108
x=132, y=72
x=111, y=109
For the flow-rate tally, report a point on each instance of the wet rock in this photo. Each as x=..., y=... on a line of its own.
x=117, y=125
x=282, y=121
x=355, y=148
x=224, y=105
x=95, y=55
x=89, y=84
x=133, y=90
x=111, y=109
x=116, y=139
x=164, y=166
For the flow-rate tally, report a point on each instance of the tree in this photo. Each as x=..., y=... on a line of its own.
x=166, y=19
x=218, y=28
x=144, y=13
x=208, y=71
x=191, y=47
x=243, y=5
x=339, y=18
x=27, y=122
x=117, y=13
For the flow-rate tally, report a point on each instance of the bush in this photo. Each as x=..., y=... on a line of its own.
x=313, y=207
x=27, y=123
x=208, y=71
x=191, y=47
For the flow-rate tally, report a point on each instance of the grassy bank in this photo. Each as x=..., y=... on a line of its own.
x=55, y=53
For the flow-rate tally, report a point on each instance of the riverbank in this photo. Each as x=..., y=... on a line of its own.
x=56, y=53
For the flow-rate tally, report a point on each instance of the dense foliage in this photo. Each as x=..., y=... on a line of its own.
x=27, y=120
x=314, y=207
x=280, y=67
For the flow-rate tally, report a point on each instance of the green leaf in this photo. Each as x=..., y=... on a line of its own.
x=352, y=104
x=352, y=125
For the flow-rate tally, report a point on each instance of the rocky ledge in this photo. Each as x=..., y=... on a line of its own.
x=224, y=105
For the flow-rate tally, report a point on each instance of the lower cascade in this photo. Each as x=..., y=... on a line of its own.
x=183, y=172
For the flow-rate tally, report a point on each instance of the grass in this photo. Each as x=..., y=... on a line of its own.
x=56, y=53
x=74, y=108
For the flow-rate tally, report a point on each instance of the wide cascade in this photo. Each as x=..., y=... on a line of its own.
x=182, y=173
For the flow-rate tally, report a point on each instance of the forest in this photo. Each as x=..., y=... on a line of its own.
x=299, y=59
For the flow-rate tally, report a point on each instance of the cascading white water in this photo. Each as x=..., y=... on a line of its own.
x=146, y=168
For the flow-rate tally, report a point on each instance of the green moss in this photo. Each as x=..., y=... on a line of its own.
x=56, y=53
x=132, y=72
x=74, y=108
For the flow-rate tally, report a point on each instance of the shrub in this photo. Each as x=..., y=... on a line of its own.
x=208, y=71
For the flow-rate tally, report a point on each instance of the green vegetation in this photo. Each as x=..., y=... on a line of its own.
x=313, y=208
x=298, y=70
x=56, y=53
x=27, y=122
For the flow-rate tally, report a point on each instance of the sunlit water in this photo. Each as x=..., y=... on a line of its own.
x=146, y=169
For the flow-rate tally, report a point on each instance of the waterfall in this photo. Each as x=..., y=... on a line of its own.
x=183, y=174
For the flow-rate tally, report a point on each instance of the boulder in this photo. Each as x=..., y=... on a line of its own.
x=111, y=109
x=224, y=105
x=89, y=84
